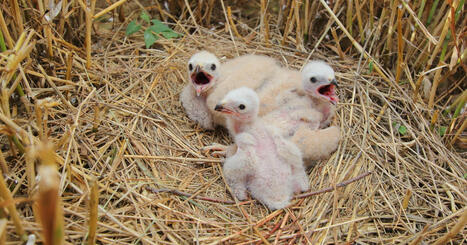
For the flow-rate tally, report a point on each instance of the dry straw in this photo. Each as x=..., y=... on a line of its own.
x=98, y=149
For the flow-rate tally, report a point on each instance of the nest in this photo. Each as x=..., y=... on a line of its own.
x=126, y=148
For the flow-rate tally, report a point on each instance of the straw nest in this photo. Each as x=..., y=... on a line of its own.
x=121, y=138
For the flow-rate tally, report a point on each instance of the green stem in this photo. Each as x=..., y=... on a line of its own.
x=420, y=10
x=432, y=11
x=459, y=9
x=2, y=42
x=459, y=108
x=18, y=144
x=19, y=89
x=445, y=46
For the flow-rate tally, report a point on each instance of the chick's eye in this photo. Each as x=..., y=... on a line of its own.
x=190, y=66
x=241, y=106
x=213, y=67
x=313, y=79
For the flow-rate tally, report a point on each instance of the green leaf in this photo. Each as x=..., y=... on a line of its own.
x=2, y=42
x=459, y=108
x=145, y=16
x=442, y=130
x=465, y=176
x=170, y=34
x=402, y=130
x=371, y=66
x=149, y=38
x=132, y=28
x=158, y=26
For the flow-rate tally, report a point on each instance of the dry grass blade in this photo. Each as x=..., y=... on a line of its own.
x=89, y=19
x=3, y=163
x=3, y=223
x=18, y=16
x=6, y=195
x=48, y=199
x=180, y=193
x=454, y=231
x=378, y=67
x=329, y=189
x=434, y=54
x=5, y=31
x=49, y=206
x=110, y=8
x=419, y=23
x=93, y=212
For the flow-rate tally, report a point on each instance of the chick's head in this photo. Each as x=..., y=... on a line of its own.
x=203, y=71
x=240, y=104
x=319, y=81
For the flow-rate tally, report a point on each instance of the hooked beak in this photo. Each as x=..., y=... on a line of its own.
x=196, y=70
x=334, y=82
x=224, y=109
x=219, y=107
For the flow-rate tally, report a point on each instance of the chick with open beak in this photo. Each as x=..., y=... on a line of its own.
x=203, y=74
x=203, y=71
x=319, y=84
x=319, y=81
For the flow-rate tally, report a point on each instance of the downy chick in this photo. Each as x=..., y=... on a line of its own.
x=314, y=88
x=319, y=83
x=203, y=74
x=302, y=108
x=266, y=164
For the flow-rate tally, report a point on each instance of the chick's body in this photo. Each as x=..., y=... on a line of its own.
x=301, y=115
x=265, y=175
x=265, y=163
x=196, y=108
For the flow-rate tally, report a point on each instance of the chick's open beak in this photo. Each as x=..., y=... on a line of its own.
x=194, y=73
x=196, y=70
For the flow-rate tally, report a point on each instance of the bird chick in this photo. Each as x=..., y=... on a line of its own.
x=266, y=164
x=302, y=108
x=203, y=74
x=319, y=83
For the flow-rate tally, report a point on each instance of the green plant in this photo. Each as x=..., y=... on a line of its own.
x=152, y=32
x=401, y=128
x=442, y=130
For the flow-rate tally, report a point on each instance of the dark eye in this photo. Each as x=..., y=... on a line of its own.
x=213, y=67
x=313, y=79
x=241, y=106
x=190, y=66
